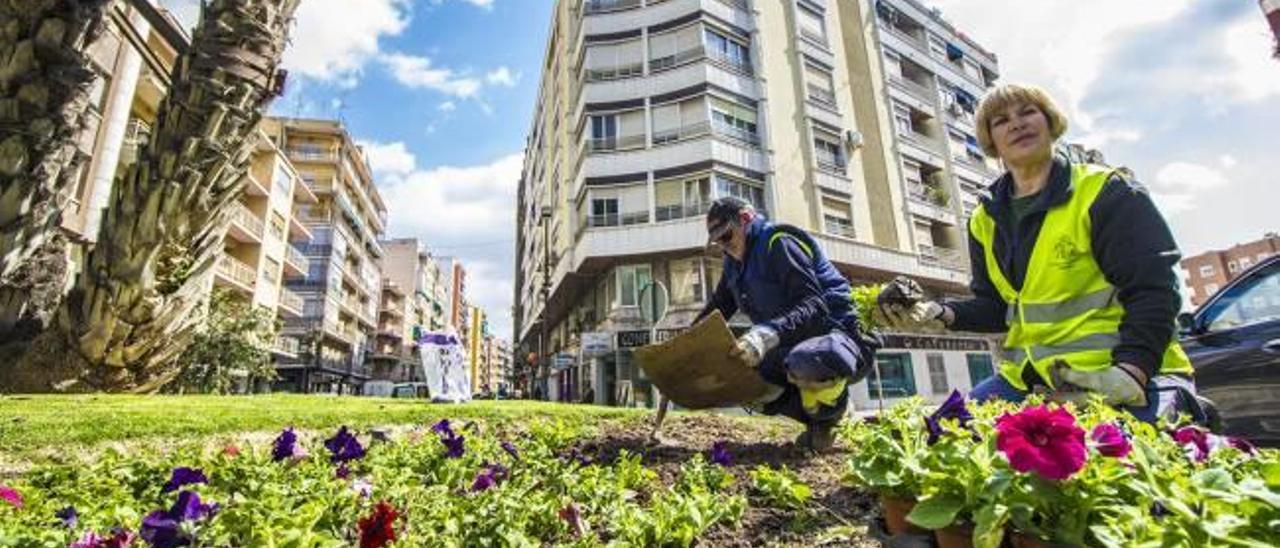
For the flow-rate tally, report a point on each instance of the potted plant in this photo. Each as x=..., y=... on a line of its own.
x=889, y=461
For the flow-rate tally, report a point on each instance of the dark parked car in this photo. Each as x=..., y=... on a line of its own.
x=1234, y=342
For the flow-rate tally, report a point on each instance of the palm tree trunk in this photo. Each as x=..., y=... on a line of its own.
x=44, y=91
x=137, y=302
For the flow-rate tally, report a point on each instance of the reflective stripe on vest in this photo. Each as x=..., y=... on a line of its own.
x=1066, y=310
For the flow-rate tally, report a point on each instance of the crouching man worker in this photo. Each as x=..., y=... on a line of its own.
x=805, y=338
x=1075, y=263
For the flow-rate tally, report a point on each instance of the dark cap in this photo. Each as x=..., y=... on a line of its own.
x=723, y=214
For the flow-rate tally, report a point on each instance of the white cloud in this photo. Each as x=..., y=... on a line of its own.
x=447, y=106
x=1254, y=74
x=418, y=72
x=390, y=159
x=484, y=4
x=186, y=11
x=333, y=39
x=1178, y=185
x=501, y=76
x=464, y=211
x=1228, y=161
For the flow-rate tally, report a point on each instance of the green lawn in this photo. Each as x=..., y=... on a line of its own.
x=31, y=425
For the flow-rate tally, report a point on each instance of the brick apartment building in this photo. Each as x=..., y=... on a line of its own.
x=1208, y=272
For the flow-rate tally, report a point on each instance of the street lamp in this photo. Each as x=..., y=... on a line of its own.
x=545, y=219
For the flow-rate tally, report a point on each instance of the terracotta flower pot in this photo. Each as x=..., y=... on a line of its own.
x=895, y=512
x=954, y=536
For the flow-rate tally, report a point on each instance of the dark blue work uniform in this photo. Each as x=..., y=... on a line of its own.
x=785, y=282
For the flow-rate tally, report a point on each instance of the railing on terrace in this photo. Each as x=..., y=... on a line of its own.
x=920, y=91
x=821, y=95
x=841, y=228
x=308, y=154
x=241, y=215
x=737, y=133
x=287, y=345
x=680, y=211
x=622, y=142
x=618, y=219
x=237, y=270
x=907, y=37
x=294, y=256
x=682, y=132
x=944, y=257
x=603, y=6
x=832, y=165
x=742, y=65
x=291, y=300
x=614, y=73
x=668, y=61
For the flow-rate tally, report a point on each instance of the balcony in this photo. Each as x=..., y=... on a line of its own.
x=236, y=273
x=291, y=302
x=591, y=7
x=295, y=262
x=287, y=346
x=821, y=95
x=245, y=225
x=733, y=63
x=904, y=37
x=312, y=155
x=838, y=227
x=943, y=257
x=610, y=144
x=831, y=164
x=617, y=219
x=614, y=73
x=736, y=133
x=929, y=203
x=684, y=132
x=916, y=90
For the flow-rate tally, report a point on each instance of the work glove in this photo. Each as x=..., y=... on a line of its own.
x=754, y=344
x=927, y=316
x=1120, y=385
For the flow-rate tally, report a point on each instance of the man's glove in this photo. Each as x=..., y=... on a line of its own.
x=1121, y=384
x=924, y=316
x=754, y=344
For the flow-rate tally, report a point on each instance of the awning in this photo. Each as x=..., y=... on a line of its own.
x=954, y=53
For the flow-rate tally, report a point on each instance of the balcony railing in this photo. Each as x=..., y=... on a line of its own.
x=832, y=165
x=944, y=257
x=682, y=132
x=821, y=95
x=908, y=38
x=916, y=89
x=614, y=73
x=234, y=269
x=306, y=154
x=618, y=219
x=720, y=57
x=622, y=142
x=928, y=195
x=680, y=211
x=668, y=61
x=296, y=258
x=839, y=227
x=737, y=133
x=602, y=6
x=287, y=345
x=291, y=300
x=246, y=219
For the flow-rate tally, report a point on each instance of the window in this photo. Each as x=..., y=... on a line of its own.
x=727, y=50
x=811, y=24
x=615, y=60
x=893, y=376
x=980, y=368
x=604, y=212
x=902, y=117
x=1245, y=263
x=277, y=225
x=681, y=198
x=827, y=149
x=669, y=49
x=604, y=132
x=686, y=281
x=1206, y=271
x=1233, y=267
x=270, y=267
x=1247, y=303
x=281, y=183
x=674, y=121
x=937, y=373
x=835, y=217
x=752, y=194
x=632, y=280
x=819, y=84
x=1210, y=289
x=733, y=119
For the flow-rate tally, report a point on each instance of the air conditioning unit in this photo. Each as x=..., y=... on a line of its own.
x=853, y=139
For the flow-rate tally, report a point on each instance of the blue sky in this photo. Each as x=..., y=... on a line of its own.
x=441, y=91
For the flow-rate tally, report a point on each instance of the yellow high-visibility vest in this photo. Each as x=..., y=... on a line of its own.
x=1066, y=310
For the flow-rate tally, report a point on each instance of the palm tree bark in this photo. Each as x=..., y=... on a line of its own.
x=137, y=302
x=45, y=77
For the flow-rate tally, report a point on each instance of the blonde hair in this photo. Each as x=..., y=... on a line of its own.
x=1002, y=97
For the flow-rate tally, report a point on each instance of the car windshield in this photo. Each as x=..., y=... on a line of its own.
x=1253, y=301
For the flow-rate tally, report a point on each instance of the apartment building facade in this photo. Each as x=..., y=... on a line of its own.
x=649, y=110
x=133, y=58
x=342, y=288
x=1204, y=274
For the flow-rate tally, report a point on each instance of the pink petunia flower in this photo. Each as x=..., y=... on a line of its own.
x=1047, y=442
x=11, y=495
x=1111, y=441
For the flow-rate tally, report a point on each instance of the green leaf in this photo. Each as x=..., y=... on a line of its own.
x=936, y=512
x=988, y=525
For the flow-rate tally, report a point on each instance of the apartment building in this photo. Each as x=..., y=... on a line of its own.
x=649, y=110
x=496, y=374
x=134, y=57
x=415, y=299
x=1204, y=274
x=342, y=288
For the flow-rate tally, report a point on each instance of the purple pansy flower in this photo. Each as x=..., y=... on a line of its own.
x=1195, y=442
x=454, y=446
x=720, y=454
x=954, y=408
x=120, y=538
x=68, y=516
x=344, y=446
x=489, y=476
x=342, y=472
x=1111, y=441
x=183, y=476
x=163, y=528
x=510, y=449
x=286, y=446
x=443, y=428
x=1243, y=445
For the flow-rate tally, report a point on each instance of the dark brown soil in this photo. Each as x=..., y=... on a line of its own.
x=838, y=515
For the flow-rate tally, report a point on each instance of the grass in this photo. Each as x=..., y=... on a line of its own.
x=34, y=425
